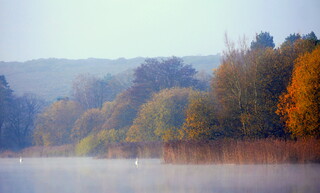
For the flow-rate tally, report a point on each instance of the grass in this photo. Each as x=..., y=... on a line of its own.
x=229, y=151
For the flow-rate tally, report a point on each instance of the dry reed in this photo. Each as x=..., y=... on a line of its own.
x=230, y=151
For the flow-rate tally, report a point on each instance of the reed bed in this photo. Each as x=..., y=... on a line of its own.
x=224, y=151
x=230, y=151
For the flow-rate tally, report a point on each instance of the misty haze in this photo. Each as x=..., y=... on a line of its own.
x=64, y=175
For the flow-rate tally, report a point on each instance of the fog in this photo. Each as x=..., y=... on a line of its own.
x=81, y=175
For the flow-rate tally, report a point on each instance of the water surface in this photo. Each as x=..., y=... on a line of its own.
x=87, y=175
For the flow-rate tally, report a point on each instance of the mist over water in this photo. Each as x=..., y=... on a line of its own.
x=82, y=175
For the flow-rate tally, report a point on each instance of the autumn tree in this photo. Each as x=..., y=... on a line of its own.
x=230, y=89
x=273, y=71
x=247, y=86
x=288, y=53
x=152, y=76
x=121, y=112
x=54, y=125
x=90, y=121
x=267, y=80
x=201, y=122
x=300, y=106
x=162, y=117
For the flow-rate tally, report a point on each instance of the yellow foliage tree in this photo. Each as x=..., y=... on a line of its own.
x=162, y=117
x=90, y=121
x=200, y=120
x=53, y=126
x=300, y=105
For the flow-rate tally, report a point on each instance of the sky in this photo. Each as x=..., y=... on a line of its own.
x=79, y=29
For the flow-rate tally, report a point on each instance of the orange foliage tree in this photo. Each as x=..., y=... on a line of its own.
x=300, y=105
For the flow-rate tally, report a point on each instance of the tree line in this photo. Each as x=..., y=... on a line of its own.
x=258, y=91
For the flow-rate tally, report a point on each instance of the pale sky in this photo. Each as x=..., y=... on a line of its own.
x=78, y=29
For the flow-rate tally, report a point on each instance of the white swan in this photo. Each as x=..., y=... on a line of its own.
x=21, y=160
x=137, y=162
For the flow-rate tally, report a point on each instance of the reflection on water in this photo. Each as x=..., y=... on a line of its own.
x=64, y=175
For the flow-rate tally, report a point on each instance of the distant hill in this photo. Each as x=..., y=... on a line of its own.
x=52, y=78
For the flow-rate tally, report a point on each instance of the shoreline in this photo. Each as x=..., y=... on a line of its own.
x=223, y=151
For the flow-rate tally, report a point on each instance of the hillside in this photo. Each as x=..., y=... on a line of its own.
x=52, y=78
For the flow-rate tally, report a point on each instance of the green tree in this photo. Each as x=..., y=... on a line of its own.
x=311, y=37
x=292, y=38
x=263, y=40
x=168, y=73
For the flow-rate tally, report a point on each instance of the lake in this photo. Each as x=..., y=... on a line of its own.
x=88, y=175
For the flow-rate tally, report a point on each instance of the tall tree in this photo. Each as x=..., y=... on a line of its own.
x=230, y=91
x=300, y=105
x=266, y=83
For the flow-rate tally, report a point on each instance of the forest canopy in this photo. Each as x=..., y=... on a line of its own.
x=258, y=91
